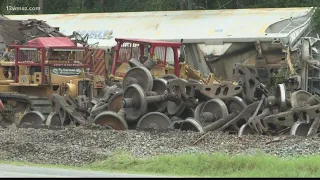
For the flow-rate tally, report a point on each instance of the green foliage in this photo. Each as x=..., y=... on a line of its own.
x=277, y=77
x=213, y=165
x=315, y=22
x=203, y=165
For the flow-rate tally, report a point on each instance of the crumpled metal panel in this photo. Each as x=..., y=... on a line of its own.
x=198, y=26
x=217, y=50
x=9, y=31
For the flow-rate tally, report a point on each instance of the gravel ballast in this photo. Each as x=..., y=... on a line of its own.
x=78, y=146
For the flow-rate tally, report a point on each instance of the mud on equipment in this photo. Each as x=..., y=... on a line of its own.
x=213, y=110
x=242, y=117
x=67, y=112
x=135, y=102
x=256, y=121
x=190, y=124
x=235, y=106
x=198, y=110
x=114, y=103
x=154, y=120
x=300, y=128
x=53, y=120
x=187, y=113
x=149, y=64
x=299, y=98
x=177, y=87
x=98, y=108
x=32, y=118
x=245, y=130
x=112, y=119
x=169, y=77
x=308, y=112
x=277, y=121
x=159, y=87
x=138, y=75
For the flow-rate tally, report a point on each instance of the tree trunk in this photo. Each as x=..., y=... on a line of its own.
x=41, y=6
x=190, y=4
x=181, y=4
x=82, y=4
x=101, y=5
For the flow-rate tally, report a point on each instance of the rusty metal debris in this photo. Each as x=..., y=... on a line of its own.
x=242, y=106
x=145, y=102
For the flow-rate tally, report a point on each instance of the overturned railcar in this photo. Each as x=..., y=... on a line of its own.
x=214, y=39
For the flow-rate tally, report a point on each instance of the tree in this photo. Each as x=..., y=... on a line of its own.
x=41, y=6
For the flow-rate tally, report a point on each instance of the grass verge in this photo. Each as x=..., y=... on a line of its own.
x=214, y=165
x=206, y=165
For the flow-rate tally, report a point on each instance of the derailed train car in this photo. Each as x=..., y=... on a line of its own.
x=214, y=39
x=264, y=40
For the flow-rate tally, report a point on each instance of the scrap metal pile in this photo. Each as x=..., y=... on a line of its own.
x=12, y=31
x=144, y=102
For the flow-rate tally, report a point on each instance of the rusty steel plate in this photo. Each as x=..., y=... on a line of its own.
x=53, y=120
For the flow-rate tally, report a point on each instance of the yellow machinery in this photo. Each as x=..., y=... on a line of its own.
x=165, y=54
x=44, y=66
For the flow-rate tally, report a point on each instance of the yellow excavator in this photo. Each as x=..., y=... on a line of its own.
x=160, y=57
x=37, y=70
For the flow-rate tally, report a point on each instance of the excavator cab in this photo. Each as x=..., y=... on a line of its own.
x=49, y=65
x=165, y=54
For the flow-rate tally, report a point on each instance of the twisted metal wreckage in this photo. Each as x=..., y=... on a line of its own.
x=242, y=106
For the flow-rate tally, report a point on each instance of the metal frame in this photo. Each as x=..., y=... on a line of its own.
x=42, y=64
x=153, y=44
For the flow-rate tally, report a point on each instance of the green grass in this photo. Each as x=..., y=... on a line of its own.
x=209, y=165
x=214, y=165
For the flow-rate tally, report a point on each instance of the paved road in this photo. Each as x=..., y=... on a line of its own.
x=29, y=171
